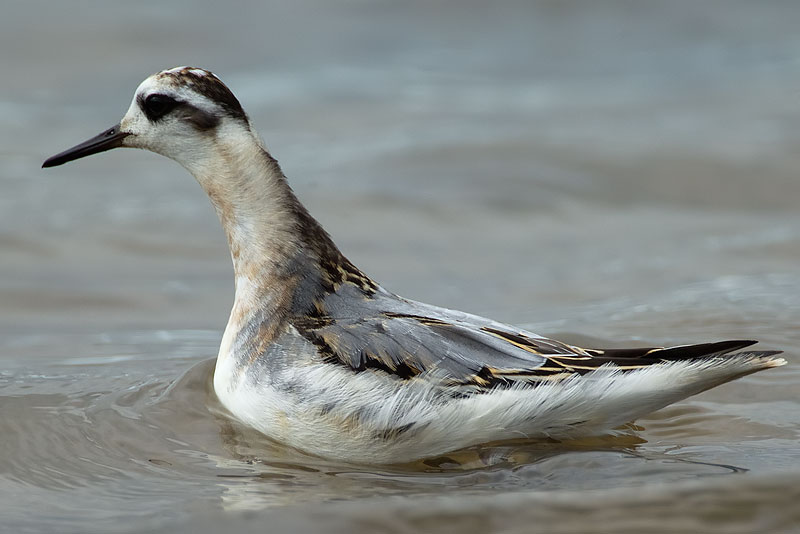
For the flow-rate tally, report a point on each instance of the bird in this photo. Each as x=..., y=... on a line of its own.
x=320, y=357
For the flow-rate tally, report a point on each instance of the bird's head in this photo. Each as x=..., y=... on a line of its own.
x=177, y=112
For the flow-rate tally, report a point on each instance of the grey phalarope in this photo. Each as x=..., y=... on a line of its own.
x=320, y=357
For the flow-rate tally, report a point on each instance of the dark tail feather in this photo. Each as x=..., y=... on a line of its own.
x=649, y=356
x=689, y=352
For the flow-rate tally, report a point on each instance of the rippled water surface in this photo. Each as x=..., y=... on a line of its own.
x=602, y=172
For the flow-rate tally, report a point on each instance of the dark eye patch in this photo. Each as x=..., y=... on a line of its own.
x=201, y=120
x=156, y=106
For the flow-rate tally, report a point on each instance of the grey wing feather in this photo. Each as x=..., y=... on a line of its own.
x=407, y=338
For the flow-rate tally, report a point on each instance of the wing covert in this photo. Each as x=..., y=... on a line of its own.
x=407, y=339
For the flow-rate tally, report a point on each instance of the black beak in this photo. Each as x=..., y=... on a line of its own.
x=111, y=138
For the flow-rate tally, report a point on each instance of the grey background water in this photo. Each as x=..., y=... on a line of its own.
x=605, y=171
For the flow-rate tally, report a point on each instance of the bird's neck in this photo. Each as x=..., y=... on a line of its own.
x=281, y=255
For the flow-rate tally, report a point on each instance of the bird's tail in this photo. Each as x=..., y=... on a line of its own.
x=609, y=397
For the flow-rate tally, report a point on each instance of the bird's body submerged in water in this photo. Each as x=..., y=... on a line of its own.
x=319, y=356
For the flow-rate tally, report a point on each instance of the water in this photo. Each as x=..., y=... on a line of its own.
x=604, y=172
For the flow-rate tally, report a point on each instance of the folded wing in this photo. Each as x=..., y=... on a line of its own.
x=406, y=339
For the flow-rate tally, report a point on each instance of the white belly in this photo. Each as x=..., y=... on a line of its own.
x=329, y=410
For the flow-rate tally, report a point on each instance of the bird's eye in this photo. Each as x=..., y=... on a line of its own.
x=156, y=106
